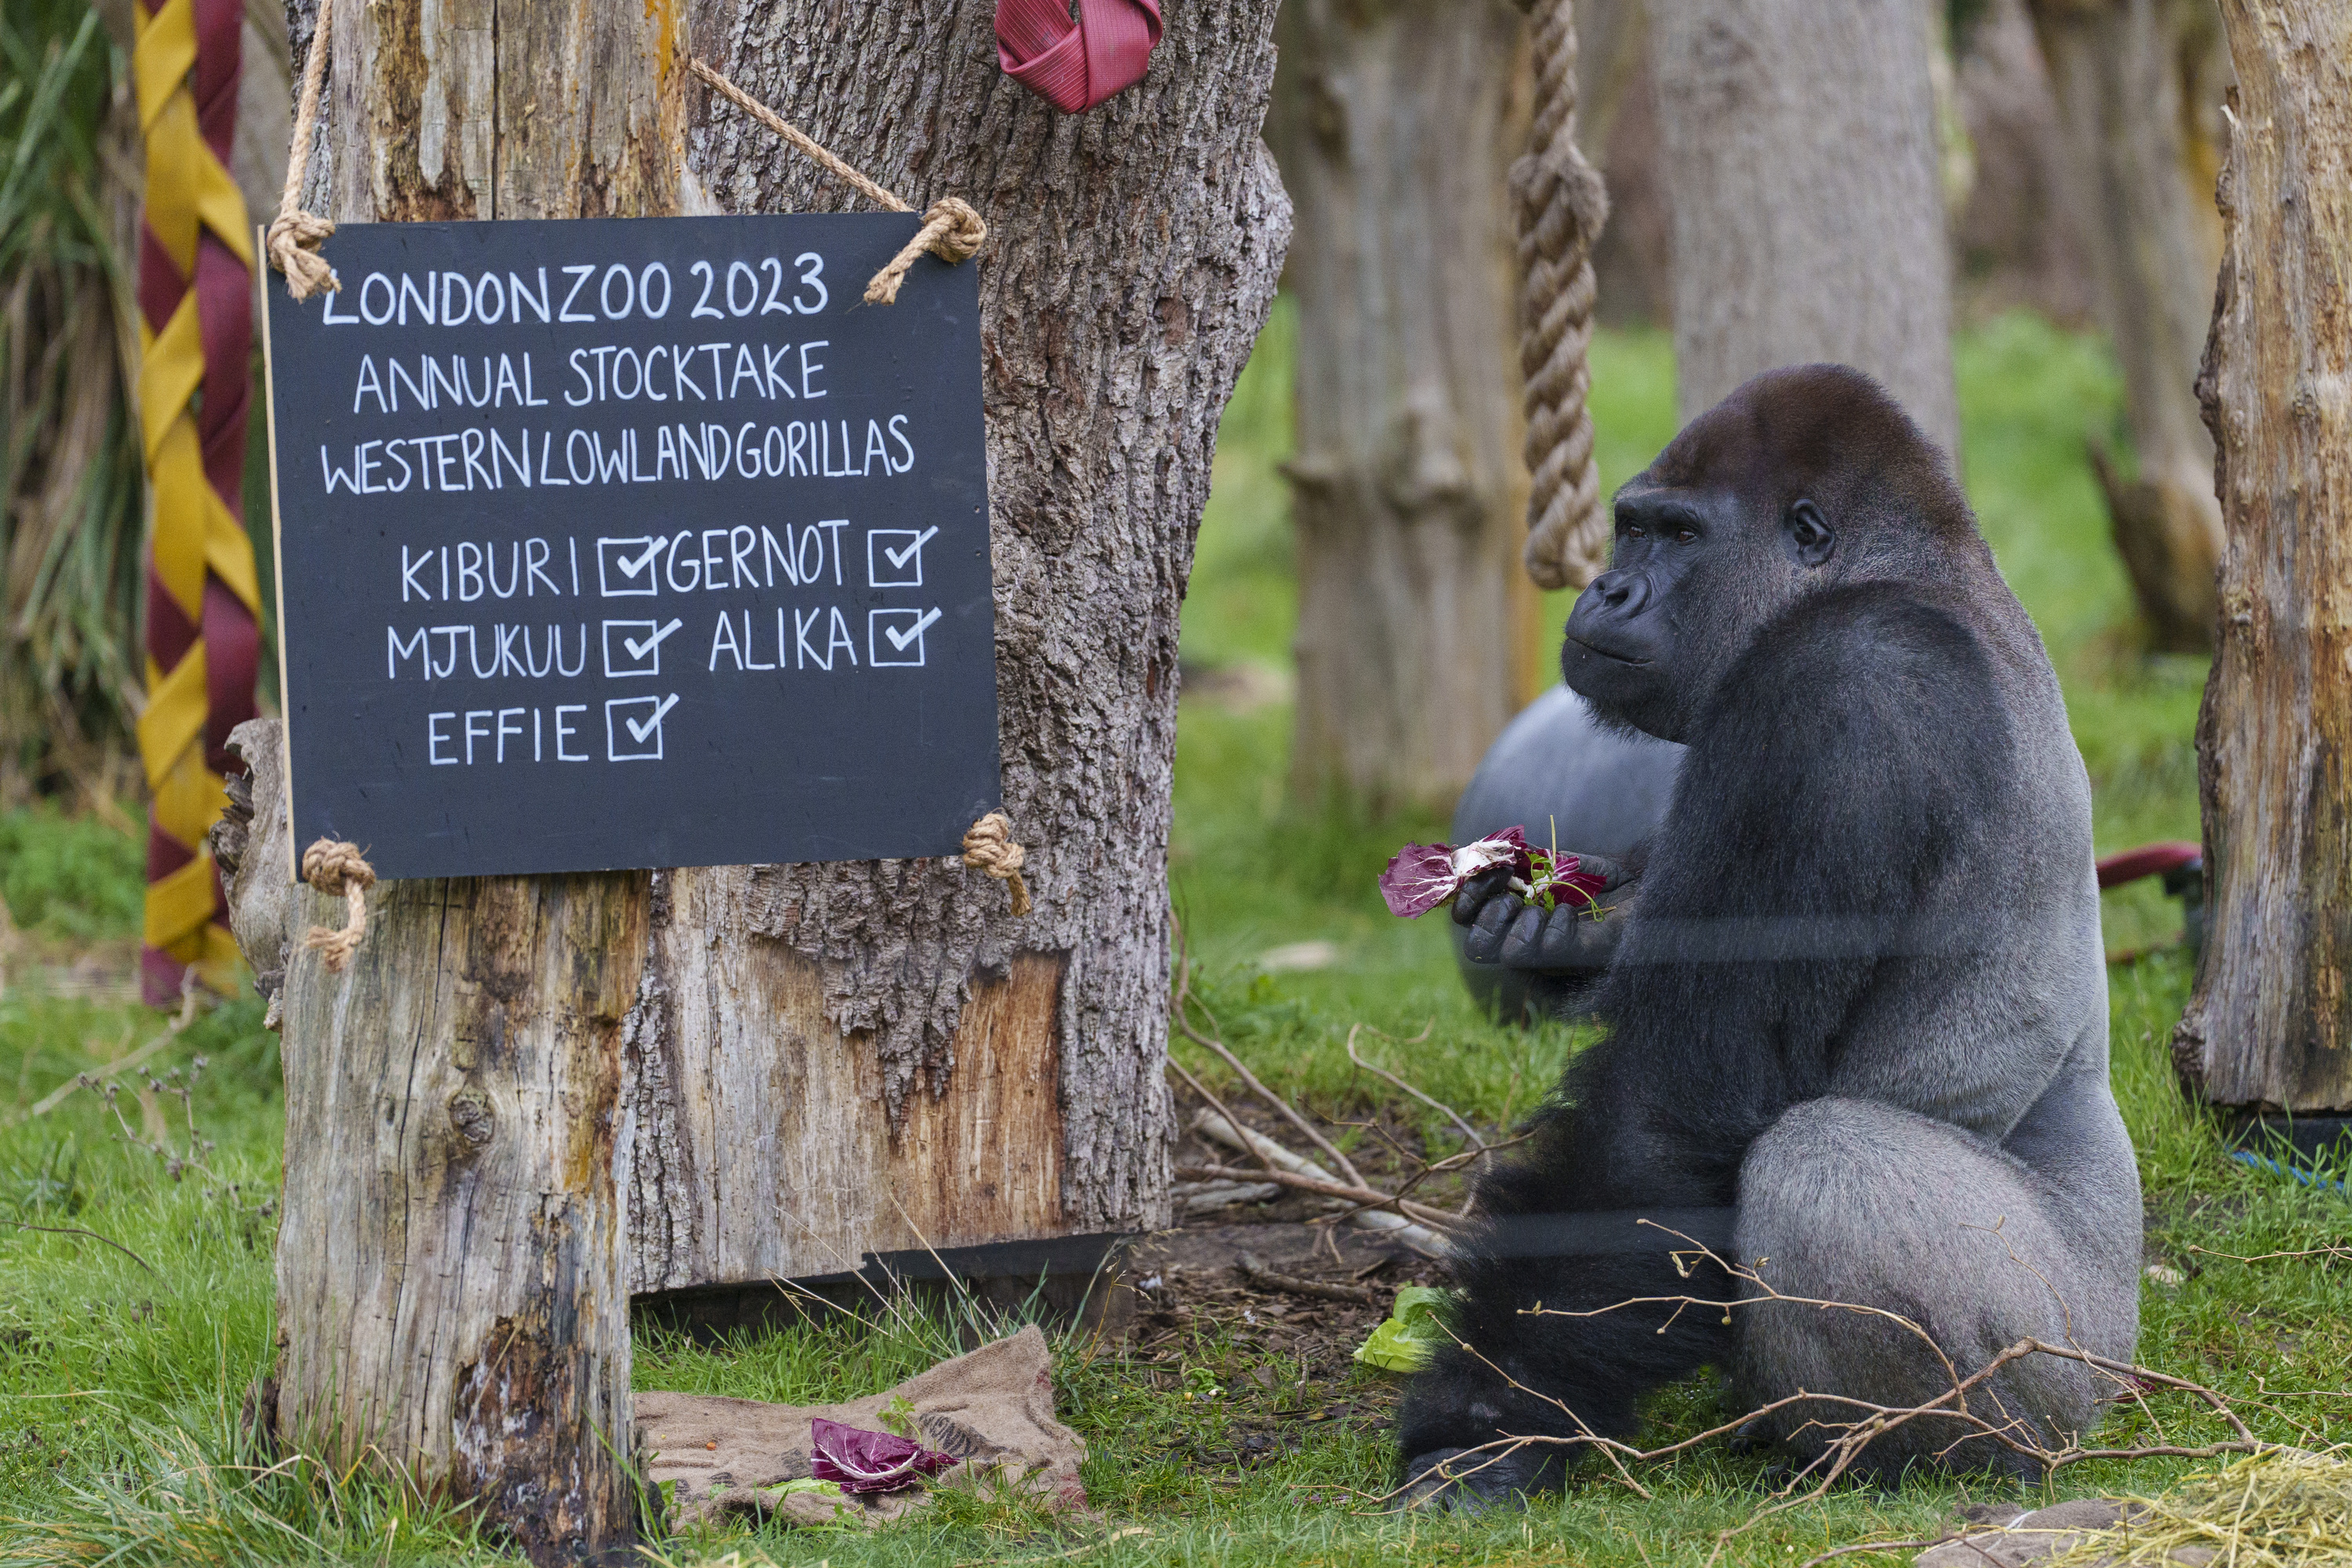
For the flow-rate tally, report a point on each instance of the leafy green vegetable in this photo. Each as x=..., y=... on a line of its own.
x=1413, y=1330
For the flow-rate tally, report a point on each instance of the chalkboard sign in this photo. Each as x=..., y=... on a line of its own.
x=632, y=543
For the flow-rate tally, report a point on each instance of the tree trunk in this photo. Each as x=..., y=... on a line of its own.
x=1396, y=124
x=815, y=1061
x=1800, y=148
x=836, y=1059
x=2134, y=81
x=2268, y=1026
x=451, y=1288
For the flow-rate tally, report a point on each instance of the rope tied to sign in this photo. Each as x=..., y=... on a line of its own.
x=295, y=235
x=335, y=867
x=989, y=848
x=1559, y=207
x=951, y=230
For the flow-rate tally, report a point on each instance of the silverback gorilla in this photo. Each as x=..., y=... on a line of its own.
x=1852, y=989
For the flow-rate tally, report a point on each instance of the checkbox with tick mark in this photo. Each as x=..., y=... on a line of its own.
x=633, y=728
x=894, y=556
x=633, y=647
x=895, y=637
x=625, y=567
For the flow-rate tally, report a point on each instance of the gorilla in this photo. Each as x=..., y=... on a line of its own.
x=1852, y=987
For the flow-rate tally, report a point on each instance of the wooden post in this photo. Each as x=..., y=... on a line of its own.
x=2270, y=1026
x=451, y=1289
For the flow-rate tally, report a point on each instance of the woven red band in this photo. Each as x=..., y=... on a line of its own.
x=1074, y=64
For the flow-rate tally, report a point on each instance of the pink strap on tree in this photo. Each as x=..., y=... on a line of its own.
x=1075, y=64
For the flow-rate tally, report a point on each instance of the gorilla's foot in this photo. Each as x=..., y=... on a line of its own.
x=1467, y=1479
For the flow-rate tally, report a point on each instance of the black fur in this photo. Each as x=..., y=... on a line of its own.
x=1830, y=895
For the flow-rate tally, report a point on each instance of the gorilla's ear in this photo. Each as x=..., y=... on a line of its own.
x=1810, y=533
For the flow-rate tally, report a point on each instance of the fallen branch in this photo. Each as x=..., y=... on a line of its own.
x=1282, y=1165
x=1323, y=1187
x=1254, y=1270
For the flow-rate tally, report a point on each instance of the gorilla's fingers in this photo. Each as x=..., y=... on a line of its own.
x=1522, y=944
x=1476, y=892
x=1612, y=873
x=1561, y=945
x=1485, y=942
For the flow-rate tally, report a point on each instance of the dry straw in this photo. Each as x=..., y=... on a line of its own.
x=2283, y=1508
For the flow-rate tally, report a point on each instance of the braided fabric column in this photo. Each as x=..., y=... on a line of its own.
x=195, y=305
x=1560, y=206
x=1076, y=64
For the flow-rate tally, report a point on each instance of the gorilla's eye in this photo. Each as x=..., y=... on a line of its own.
x=1635, y=531
x=1684, y=535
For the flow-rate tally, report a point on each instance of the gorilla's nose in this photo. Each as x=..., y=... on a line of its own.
x=1619, y=593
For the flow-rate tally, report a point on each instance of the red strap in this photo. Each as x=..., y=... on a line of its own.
x=1075, y=64
x=2147, y=860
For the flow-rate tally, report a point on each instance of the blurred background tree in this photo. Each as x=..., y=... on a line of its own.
x=1395, y=124
x=2138, y=86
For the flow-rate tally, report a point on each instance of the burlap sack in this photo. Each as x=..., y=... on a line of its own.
x=992, y=1408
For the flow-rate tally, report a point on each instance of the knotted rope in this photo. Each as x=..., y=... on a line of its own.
x=334, y=868
x=951, y=230
x=989, y=848
x=1561, y=204
x=294, y=235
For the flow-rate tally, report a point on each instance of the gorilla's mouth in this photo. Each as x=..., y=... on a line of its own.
x=1612, y=657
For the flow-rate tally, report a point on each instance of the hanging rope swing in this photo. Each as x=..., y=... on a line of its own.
x=1559, y=204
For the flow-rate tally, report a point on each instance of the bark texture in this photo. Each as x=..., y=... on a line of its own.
x=1395, y=124
x=831, y=1060
x=1800, y=146
x=451, y=1285
x=2268, y=1025
x=2138, y=86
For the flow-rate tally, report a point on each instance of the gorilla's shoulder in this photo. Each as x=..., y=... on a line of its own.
x=1866, y=643
x=1876, y=680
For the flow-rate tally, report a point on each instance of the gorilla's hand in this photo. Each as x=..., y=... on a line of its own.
x=1463, y=1481
x=1568, y=939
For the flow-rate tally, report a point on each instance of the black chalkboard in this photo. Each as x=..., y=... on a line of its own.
x=632, y=543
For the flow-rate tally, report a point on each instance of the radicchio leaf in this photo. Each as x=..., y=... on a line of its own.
x=863, y=1461
x=1424, y=876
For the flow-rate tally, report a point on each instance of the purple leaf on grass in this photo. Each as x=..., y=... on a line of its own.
x=863, y=1461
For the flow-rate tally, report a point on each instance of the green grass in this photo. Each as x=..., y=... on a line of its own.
x=120, y=1388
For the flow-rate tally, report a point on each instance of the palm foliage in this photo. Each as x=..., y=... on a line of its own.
x=71, y=490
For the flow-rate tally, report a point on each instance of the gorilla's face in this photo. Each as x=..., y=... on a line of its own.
x=1801, y=475
x=1698, y=569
